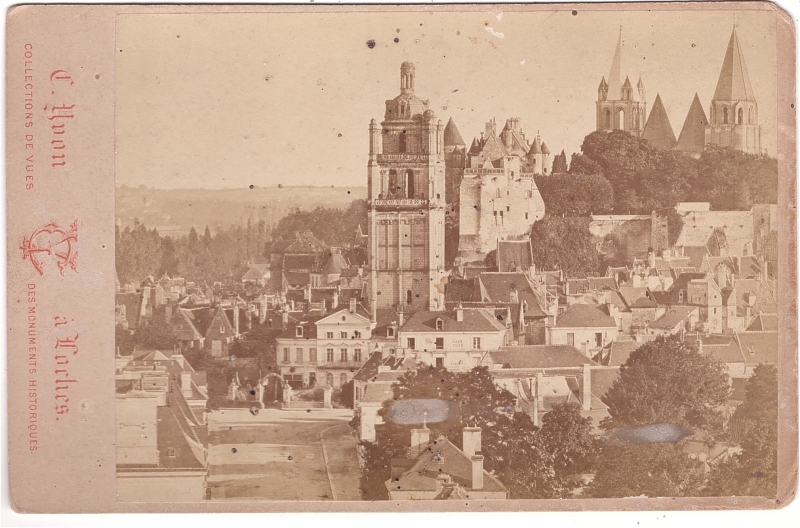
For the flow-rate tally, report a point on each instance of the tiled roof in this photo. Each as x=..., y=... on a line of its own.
x=497, y=287
x=442, y=456
x=513, y=254
x=474, y=320
x=585, y=316
x=758, y=347
x=539, y=357
x=672, y=317
x=764, y=322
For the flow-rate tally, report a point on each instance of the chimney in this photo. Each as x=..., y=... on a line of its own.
x=186, y=384
x=307, y=292
x=586, y=388
x=235, y=319
x=352, y=305
x=477, y=471
x=401, y=319
x=460, y=314
x=285, y=317
x=420, y=438
x=335, y=302
x=472, y=441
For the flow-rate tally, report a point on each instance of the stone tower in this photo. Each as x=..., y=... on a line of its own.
x=617, y=107
x=658, y=129
x=734, y=112
x=406, y=193
x=693, y=134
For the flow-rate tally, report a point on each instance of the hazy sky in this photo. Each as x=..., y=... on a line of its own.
x=230, y=100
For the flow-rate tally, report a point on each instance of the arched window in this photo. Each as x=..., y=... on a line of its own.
x=750, y=116
x=740, y=117
x=410, y=188
x=608, y=119
x=401, y=144
x=725, y=116
x=394, y=185
x=409, y=297
x=402, y=109
x=622, y=120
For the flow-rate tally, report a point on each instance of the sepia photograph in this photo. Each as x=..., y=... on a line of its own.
x=392, y=255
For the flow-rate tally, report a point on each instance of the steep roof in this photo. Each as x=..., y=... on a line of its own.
x=693, y=133
x=734, y=81
x=658, y=131
x=451, y=134
x=539, y=357
x=614, y=76
x=764, y=322
x=514, y=252
x=536, y=147
x=585, y=316
x=496, y=287
x=545, y=150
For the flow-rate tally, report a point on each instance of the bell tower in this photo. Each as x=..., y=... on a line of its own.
x=617, y=106
x=407, y=203
x=734, y=112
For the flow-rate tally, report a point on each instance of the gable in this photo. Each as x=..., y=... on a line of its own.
x=343, y=317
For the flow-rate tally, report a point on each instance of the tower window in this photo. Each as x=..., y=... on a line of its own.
x=608, y=119
x=750, y=116
x=622, y=120
x=409, y=297
x=724, y=116
x=401, y=143
x=740, y=117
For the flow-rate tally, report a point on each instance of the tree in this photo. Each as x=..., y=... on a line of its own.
x=474, y=400
x=564, y=243
x=668, y=381
x=156, y=334
x=559, y=163
x=567, y=437
x=650, y=470
x=124, y=341
x=755, y=470
x=575, y=194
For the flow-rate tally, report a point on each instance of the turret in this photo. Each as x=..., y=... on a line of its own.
x=407, y=71
x=602, y=90
x=642, y=91
x=627, y=90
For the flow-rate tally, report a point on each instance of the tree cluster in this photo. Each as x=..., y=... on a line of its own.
x=565, y=243
x=575, y=194
x=532, y=462
x=644, y=177
x=208, y=258
x=335, y=227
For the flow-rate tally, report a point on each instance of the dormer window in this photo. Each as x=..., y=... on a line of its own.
x=298, y=331
x=439, y=323
x=222, y=329
x=390, y=332
x=751, y=350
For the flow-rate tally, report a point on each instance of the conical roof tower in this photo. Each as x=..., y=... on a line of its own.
x=658, y=130
x=452, y=138
x=693, y=133
x=734, y=81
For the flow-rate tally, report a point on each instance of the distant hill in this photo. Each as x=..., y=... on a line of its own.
x=175, y=211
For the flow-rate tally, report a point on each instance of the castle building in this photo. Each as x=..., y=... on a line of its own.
x=498, y=197
x=617, y=107
x=734, y=111
x=407, y=203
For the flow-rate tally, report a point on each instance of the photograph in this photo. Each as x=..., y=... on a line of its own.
x=460, y=254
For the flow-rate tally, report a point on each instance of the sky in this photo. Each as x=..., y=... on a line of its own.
x=233, y=100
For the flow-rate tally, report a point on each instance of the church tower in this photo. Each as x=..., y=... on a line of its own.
x=617, y=106
x=734, y=112
x=406, y=193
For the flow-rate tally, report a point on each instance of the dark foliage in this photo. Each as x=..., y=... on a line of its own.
x=668, y=381
x=333, y=226
x=575, y=194
x=645, y=178
x=565, y=243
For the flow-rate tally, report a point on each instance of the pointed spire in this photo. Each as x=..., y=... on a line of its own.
x=658, y=131
x=452, y=138
x=475, y=148
x=536, y=148
x=734, y=81
x=614, y=86
x=603, y=84
x=693, y=133
x=545, y=150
